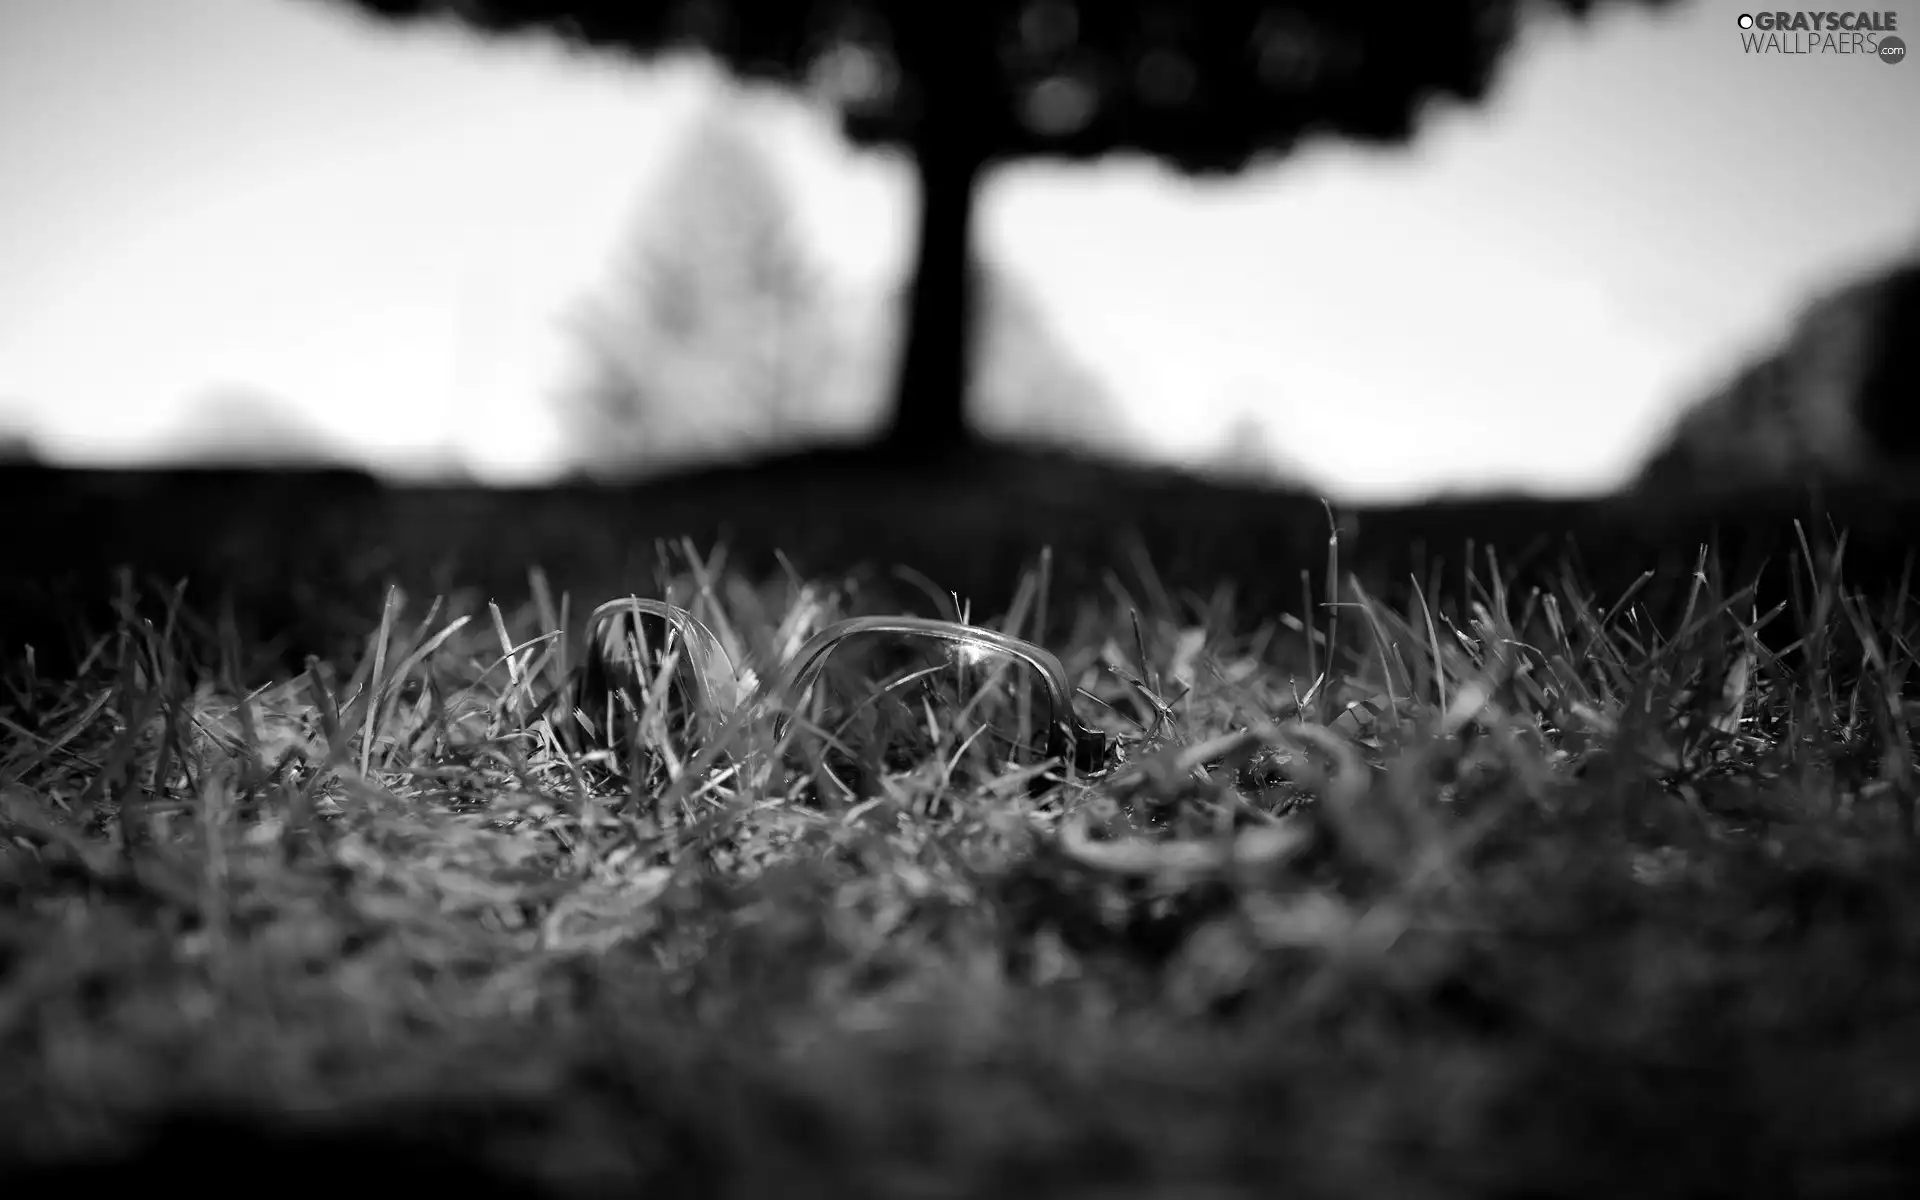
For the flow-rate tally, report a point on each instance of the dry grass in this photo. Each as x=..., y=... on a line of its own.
x=1534, y=895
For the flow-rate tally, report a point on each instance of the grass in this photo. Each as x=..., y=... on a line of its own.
x=1459, y=888
x=301, y=556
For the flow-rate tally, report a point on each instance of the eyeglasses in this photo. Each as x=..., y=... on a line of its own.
x=871, y=695
x=861, y=698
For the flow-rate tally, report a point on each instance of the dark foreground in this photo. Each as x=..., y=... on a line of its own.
x=1615, y=928
x=303, y=556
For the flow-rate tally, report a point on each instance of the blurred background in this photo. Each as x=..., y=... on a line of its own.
x=266, y=231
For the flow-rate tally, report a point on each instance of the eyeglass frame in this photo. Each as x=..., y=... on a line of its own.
x=717, y=687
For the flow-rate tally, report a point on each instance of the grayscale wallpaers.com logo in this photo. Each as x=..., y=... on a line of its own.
x=1865, y=33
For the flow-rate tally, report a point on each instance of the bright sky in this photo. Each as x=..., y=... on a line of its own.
x=384, y=228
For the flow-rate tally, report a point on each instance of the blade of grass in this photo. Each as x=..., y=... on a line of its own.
x=389, y=612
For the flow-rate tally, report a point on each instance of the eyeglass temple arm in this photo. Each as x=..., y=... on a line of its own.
x=1068, y=738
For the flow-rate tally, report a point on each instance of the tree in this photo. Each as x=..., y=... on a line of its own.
x=1204, y=85
x=1025, y=384
x=1246, y=450
x=17, y=447
x=715, y=334
x=1832, y=402
x=243, y=426
x=1889, y=398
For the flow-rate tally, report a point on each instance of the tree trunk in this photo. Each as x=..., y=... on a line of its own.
x=928, y=421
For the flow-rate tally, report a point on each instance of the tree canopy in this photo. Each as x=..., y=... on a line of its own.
x=1203, y=85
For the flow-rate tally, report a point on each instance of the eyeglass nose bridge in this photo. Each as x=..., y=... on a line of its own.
x=1067, y=738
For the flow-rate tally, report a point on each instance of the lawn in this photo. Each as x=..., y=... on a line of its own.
x=1509, y=873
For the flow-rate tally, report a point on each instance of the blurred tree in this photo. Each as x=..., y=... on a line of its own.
x=1889, y=399
x=1835, y=401
x=1204, y=85
x=715, y=337
x=1250, y=450
x=245, y=427
x=17, y=447
x=1246, y=450
x=1026, y=384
